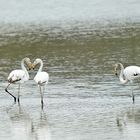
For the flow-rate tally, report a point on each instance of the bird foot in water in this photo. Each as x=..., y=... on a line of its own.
x=42, y=104
x=18, y=100
x=133, y=99
x=15, y=99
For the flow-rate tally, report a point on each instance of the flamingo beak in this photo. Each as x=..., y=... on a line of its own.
x=115, y=70
x=33, y=66
x=116, y=74
x=30, y=66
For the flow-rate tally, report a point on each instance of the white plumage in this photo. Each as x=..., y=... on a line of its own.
x=41, y=77
x=19, y=76
x=130, y=73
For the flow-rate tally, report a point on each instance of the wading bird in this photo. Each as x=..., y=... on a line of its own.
x=19, y=76
x=41, y=77
x=130, y=73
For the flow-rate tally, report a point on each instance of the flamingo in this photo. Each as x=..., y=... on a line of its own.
x=41, y=77
x=130, y=73
x=19, y=76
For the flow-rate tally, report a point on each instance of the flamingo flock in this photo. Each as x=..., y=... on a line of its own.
x=20, y=76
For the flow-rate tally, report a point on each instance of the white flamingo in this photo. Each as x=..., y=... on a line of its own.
x=130, y=73
x=41, y=77
x=19, y=76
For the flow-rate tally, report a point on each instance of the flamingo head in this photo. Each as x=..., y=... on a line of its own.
x=115, y=69
x=35, y=63
x=28, y=63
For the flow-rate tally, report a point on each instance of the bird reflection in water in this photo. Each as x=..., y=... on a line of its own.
x=129, y=121
x=41, y=130
x=26, y=126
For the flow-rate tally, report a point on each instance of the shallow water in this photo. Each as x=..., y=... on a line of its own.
x=84, y=99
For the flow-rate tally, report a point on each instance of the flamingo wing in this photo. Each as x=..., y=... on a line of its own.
x=17, y=75
x=132, y=72
x=42, y=78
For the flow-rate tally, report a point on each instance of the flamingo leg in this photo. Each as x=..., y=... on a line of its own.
x=18, y=93
x=133, y=96
x=6, y=89
x=43, y=90
x=41, y=93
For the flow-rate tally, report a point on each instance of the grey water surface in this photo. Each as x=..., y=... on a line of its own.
x=79, y=43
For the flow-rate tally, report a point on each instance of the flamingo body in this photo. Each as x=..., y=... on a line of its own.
x=18, y=76
x=41, y=78
x=132, y=72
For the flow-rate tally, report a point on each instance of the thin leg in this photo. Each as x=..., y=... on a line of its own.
x=18, y=92
x=41, y=93
x=42, y=105
x=133, y=97
x=6, y=89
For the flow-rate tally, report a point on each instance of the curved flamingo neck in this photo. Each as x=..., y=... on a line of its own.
x=122, y=78
x=41, y=65
x=24, y=68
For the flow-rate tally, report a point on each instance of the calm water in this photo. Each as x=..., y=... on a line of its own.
x=79, y=42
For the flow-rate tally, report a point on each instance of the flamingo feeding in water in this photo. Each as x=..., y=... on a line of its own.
x=41, y=77
x=19, y=76
x=130, y=73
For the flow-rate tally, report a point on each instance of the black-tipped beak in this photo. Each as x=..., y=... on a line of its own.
x=33, y=66
x=116, y=74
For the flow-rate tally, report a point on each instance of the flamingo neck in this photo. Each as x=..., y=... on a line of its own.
x=41, y=66
x=24, y=68
x=122, y=78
